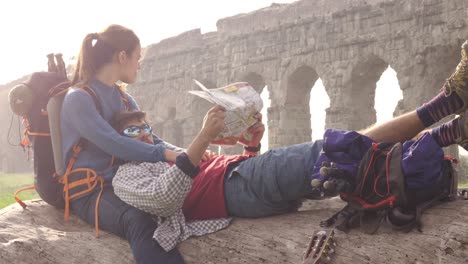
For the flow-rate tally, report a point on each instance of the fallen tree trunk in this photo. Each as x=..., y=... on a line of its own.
x=39, y=235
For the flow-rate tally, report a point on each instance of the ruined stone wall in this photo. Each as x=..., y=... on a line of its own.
x=346, y=43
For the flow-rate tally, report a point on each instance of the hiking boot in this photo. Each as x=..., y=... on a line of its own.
x=458, y=82
x=463, y=126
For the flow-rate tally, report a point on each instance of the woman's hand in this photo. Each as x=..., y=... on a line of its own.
x=256, y=133
x=208, y=155
x=171, y=155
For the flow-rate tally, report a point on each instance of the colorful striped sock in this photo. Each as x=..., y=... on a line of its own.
x=447, y=133
x=438, y=108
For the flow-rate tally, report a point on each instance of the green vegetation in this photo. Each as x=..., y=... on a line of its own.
x=9, y=183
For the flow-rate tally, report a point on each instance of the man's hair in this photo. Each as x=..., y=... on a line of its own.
x=121, y=119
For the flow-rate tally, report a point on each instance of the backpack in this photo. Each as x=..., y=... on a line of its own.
x=38, y=101
x=379, y=193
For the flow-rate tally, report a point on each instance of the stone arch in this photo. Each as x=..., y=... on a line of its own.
x=255, y=80
x=360, y=98
x=299, y=84
x=294, y=114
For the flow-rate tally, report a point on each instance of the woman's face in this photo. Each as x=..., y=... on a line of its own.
x=130, y=66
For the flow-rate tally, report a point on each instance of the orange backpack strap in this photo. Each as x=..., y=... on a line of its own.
x=60, y=89
x=18, y=200
x=92, y=180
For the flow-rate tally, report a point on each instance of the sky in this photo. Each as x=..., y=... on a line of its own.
x=30, y=29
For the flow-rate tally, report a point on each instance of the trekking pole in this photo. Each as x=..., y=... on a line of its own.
x=51, y=66
x=61, y=65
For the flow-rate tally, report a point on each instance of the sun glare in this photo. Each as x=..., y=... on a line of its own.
x=32, y=29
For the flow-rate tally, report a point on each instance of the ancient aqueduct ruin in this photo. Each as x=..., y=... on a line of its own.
x=288, y=47
x=348, y=44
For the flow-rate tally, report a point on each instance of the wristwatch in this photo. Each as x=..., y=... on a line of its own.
x=253, y=149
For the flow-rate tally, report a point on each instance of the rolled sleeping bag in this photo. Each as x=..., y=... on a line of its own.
x=20, y=98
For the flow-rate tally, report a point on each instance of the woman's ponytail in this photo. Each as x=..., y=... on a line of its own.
x=85, y=67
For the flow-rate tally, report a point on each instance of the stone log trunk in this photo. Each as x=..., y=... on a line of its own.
x=38, y=234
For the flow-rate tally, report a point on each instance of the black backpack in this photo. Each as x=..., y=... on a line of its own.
x=30, y=101
x=379, y=193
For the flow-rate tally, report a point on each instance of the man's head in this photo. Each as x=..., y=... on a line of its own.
x=133, y=124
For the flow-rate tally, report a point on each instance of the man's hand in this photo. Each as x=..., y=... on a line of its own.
x=213, y=123
x=256, y=133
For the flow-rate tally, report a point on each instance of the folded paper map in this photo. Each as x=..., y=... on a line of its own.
x=241, y=102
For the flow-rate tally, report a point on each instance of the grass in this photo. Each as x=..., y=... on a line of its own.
x=9, y=183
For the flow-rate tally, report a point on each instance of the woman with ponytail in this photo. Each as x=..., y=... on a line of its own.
x=106, y=59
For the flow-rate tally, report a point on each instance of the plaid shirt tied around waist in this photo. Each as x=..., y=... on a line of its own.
x=160, y=189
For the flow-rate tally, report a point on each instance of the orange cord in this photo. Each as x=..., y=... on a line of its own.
x=18, y=200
